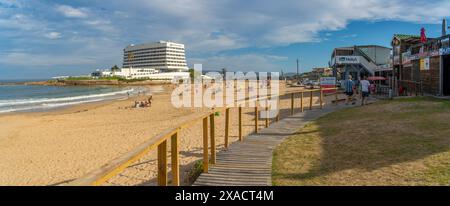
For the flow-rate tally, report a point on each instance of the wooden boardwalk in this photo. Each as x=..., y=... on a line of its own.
x=249, y=163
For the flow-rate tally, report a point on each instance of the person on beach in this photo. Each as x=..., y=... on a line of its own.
x=149, y=103
x=372, y=88
x=349, y=89
x=364, y=90
x=357, y=86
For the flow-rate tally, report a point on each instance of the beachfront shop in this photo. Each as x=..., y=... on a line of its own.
x=426, y=68
x=445, y=58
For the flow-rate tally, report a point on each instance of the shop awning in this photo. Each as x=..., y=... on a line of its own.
x=376, y=78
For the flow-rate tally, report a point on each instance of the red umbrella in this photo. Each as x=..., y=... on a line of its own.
x=376, y=78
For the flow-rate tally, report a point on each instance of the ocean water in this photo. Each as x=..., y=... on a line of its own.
x=24, y=98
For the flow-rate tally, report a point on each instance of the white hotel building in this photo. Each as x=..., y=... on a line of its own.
x=160, y=60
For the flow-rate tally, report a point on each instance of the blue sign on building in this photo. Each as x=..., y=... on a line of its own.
x=444, y=51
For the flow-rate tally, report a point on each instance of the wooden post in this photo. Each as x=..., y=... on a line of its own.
x=311, y=100
x=213, y=138
x=240, y=124
x=205, y=145
x=175, y=160
x=321, y=98
x=162, y=164
x=227, y=126
x=421, y=88
x=256, y=119
x=410, y=89
x=415, y=89
x=279, y=109
x=336, y=97
x=292, y=104
x=267, y=114
x=301, y=102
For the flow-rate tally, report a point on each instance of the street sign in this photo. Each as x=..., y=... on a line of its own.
x=347, y=60
x=328, y=82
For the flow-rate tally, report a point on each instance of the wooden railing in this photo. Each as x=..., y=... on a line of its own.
x=411, y=88
x=113, y=168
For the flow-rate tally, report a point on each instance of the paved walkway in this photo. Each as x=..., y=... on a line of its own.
x=249, y=163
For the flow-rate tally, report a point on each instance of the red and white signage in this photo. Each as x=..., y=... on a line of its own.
x=328, y=82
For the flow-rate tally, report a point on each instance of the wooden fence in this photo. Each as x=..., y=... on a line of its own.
x=411, y=88
x=160, y=142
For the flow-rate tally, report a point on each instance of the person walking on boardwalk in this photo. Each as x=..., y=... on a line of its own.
x=349, y=89
x=364, y=90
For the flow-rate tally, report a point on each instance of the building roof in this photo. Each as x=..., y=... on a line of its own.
x=361, y=46
x=405, y=36
x=152, y=44
x=442, y=37
x=431, y=41
x=373, y=46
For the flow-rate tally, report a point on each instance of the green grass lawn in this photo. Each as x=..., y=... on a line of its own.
x=400, y=142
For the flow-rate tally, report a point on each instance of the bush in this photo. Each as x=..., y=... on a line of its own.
x=78, y=78
x=195, y=172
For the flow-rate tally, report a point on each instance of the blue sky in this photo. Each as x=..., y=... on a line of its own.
x=45, y=38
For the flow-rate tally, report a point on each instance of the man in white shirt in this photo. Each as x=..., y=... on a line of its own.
x=365, y=90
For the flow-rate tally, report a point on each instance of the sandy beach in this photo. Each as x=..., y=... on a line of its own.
x=53, y=148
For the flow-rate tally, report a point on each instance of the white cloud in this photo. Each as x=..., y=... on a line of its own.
x=102, y=25
x=261, y=23
x=100, y=31
x=32, y=59
x=21, y=22
x=53, y=35
x=71, y=12
x=223, y=24
x=206, y=43
x=247, y=62
x=96, y=22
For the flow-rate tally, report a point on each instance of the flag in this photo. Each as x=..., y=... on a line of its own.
x=423, y=36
